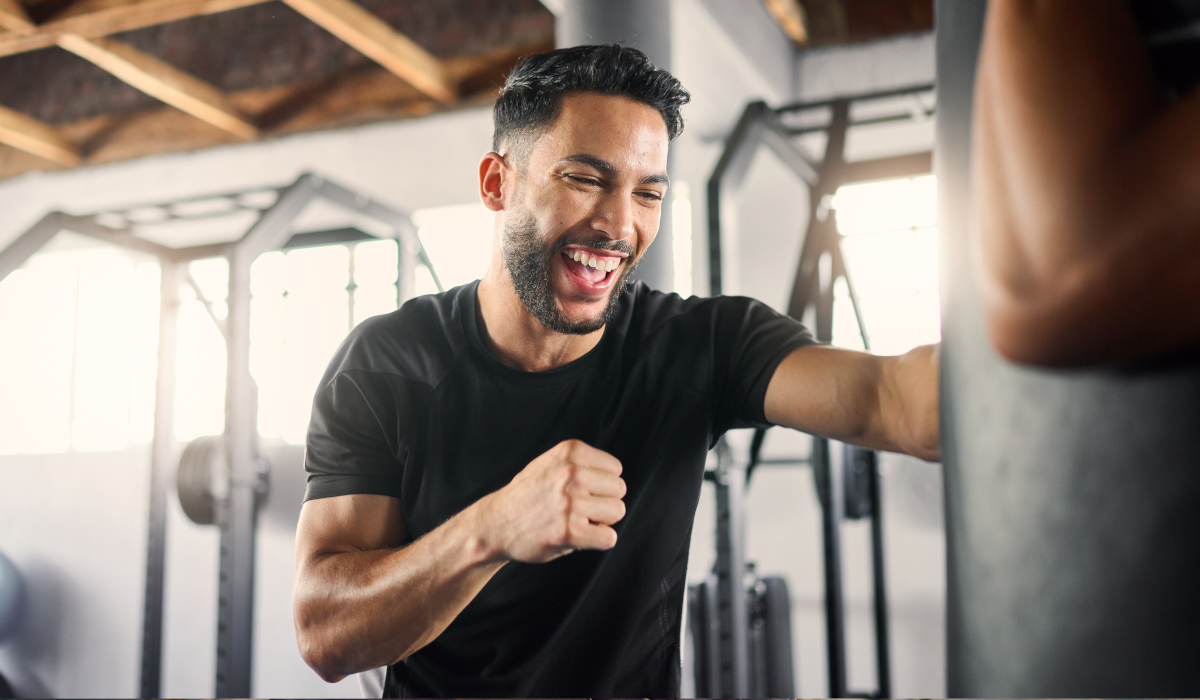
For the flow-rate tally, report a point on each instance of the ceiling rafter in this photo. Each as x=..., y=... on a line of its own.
x=791, y=17
x=399, y=79
x=96, y=18
x=13, y=17
x=162, y=81
x=32, y=136
x=375, y=39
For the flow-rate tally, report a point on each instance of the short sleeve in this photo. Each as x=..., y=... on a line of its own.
x=750, y=340
x=354, y=444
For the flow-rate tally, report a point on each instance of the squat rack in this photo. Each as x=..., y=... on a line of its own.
x=848, y=487
x=241, y=474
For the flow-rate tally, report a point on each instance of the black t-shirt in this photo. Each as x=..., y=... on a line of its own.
x=414, y=406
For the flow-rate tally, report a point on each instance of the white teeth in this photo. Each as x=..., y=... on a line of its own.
x=581, y=256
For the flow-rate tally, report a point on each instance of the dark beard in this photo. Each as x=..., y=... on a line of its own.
x=528, y=264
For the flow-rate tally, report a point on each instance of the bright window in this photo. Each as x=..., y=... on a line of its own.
x=890, y=246
x=458, y=240
x=80, y=334
x=78, y=341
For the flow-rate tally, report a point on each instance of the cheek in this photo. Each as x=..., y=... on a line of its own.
x=559, y=210
x=648, y=231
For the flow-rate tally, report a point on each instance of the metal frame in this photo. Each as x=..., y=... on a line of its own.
x=813, y=288
x=235, y=506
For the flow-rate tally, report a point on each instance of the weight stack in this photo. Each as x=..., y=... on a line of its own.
x=1072, y=498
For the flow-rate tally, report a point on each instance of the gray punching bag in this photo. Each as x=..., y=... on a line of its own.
x=1072, y=498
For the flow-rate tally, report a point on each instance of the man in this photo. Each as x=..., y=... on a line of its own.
x=1086, y=179
x=503, y=477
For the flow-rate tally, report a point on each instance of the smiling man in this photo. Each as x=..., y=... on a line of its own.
x=503, y=477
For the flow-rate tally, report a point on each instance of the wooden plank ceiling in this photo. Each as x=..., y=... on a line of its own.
x=95, y=81
x=86, y=82
x=816, y=23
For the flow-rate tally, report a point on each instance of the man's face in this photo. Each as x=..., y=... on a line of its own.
x=585, y=209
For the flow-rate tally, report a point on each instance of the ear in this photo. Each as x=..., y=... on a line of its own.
x=493, y=171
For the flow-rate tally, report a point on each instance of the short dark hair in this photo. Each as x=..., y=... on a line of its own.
x=531, y=99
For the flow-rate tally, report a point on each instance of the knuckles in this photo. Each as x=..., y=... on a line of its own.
x=572, y=448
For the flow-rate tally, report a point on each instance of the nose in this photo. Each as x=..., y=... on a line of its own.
x=614, y=216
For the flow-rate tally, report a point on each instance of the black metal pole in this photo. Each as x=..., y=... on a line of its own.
x=731, y=575
x=829, y=482
x=883, y=660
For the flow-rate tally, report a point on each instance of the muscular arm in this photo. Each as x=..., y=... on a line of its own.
x=361, y=603
x=1087, y=188
x=886, y=403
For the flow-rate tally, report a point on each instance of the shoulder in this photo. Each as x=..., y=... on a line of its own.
x=419, y=342
x=652, y=311
x=649, y=310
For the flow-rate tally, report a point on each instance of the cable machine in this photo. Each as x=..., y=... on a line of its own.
x=739, y=627
x=221, y=479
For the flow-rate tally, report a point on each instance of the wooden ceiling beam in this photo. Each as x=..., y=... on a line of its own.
x=162, y=81
x=91, y=19
x=791, y=17
x=32, y=136
x=377, y=40
x=13, y=17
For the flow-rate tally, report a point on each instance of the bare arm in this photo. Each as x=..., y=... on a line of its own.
x=360, y=603
x=1087, y=188
x=886, y=403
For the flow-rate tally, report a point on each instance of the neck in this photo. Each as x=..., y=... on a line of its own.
x=515, y=336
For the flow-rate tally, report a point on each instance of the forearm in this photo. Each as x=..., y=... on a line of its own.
x=884, y=403
x=357, y=610
x=908, y=402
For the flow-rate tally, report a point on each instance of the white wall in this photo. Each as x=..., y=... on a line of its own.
x=866, y=67
x=75, y=526
x=410, y=164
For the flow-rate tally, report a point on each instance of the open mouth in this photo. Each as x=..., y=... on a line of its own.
x=593, y=271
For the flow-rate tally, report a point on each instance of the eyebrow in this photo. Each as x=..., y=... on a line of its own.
x=608, y=169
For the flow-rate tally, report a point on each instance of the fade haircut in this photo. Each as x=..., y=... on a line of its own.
x=531, y=99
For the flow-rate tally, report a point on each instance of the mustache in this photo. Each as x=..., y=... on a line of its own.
x=599, y=243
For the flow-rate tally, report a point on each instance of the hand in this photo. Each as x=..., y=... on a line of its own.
x=566, y=499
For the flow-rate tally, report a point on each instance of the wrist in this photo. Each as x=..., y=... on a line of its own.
x=482, y=544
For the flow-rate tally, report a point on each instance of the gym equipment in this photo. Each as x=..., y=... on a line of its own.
x=1072, y=499
x=735, y=661
x=12, y=597
x=221, y=479
x=770, y=637
x=203, y=475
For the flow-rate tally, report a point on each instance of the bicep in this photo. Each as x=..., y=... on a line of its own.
x=826, y=391
x=353, y=523
x=1087, y=201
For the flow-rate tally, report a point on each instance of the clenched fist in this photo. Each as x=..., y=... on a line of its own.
x=566, y=499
